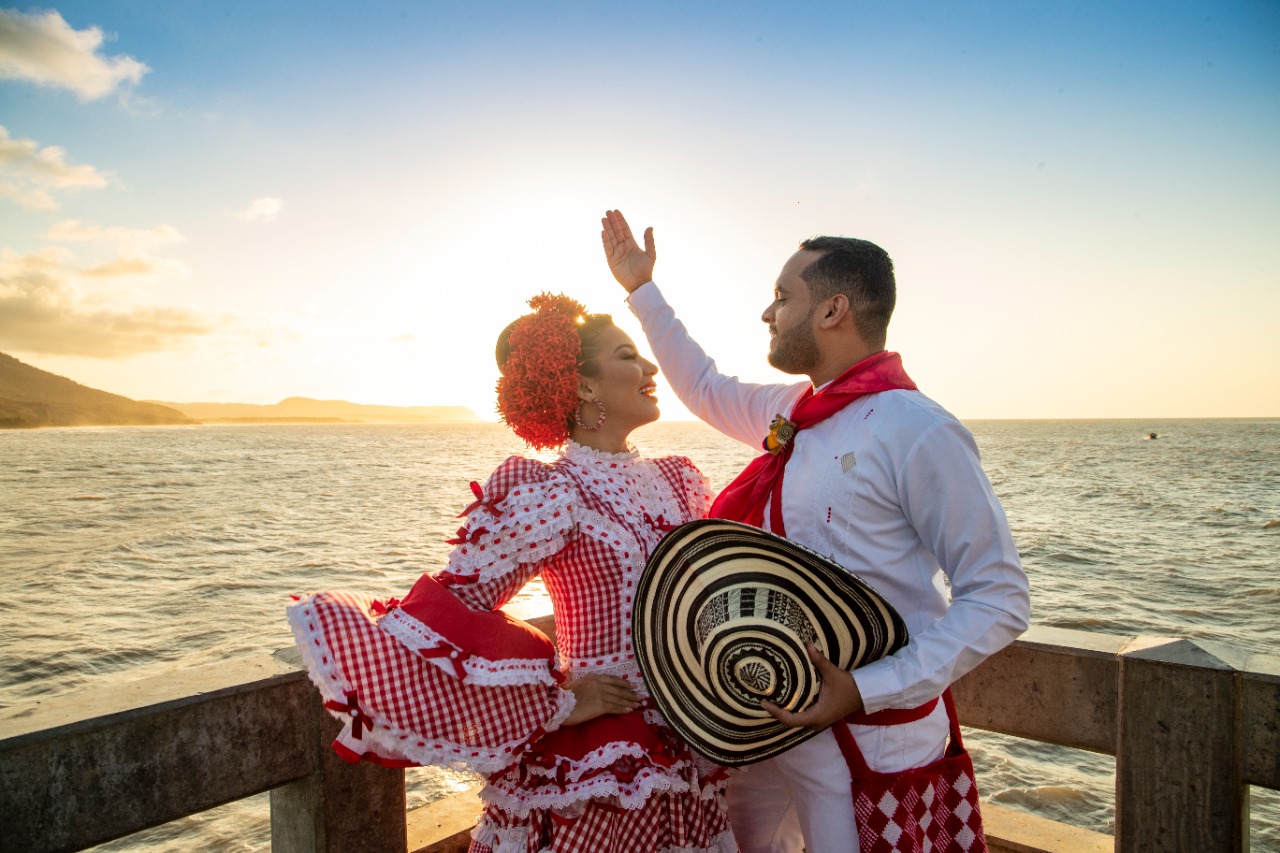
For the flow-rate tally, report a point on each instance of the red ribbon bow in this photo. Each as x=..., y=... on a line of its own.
x=359, y=719
x=382, y=608
x=659, y=523
x=670, y=751
x=553, y=763
x=479, y=502
x=452, y=655
x=464, y=537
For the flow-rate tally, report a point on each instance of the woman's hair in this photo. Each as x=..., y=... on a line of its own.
x=589, y=328
x=541, y=356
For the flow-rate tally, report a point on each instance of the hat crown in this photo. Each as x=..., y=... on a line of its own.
x=723, y=614
x=755, y=675
x=754, y=670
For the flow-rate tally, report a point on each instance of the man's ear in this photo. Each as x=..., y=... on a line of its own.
x=834, y=311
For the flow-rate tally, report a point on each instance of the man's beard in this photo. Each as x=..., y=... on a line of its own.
x=796, y=350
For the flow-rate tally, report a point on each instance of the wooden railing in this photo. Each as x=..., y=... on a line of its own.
x=1191, y=725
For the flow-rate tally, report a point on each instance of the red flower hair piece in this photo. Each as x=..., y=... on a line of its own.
x=538, y=389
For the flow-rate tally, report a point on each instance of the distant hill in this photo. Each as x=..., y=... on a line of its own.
x=30, y=397
x=306, y=410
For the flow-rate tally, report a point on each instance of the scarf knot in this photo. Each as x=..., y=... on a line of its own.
x=760, y=483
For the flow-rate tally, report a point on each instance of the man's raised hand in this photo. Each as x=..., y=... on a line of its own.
x=630, y=265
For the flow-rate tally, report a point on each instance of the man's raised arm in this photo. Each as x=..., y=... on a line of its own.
x=738, y=409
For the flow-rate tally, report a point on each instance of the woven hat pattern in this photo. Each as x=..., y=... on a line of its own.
x=723, y=613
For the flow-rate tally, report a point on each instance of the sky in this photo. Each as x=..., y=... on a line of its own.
x=246, y=201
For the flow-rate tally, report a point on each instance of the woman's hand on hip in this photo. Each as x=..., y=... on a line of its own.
x=598, y=695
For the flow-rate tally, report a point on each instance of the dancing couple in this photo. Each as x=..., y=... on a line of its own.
x=575, y=754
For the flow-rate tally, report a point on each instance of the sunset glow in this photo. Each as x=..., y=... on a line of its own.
x=240, y=202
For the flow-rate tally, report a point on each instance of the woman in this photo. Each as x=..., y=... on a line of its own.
x=576, y=757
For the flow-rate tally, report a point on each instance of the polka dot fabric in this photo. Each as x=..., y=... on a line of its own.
x=412, y=685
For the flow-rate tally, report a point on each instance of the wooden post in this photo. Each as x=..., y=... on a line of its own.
x=341, y=807
x=1178, y=762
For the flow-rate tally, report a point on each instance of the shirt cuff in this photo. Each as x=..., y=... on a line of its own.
x=879, y=686
x=645, y=299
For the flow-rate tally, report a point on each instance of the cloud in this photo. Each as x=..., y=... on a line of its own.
x=28, y=198
x=261, y=210
x=41, y=311
x=42, y=48
x=131, y=244
x=75, y=231
x=136, y=266
x=46, y=166
x=32, y=171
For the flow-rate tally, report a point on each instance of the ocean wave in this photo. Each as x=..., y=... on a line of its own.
x=174, y=563
x=1073, y=557
x=1064, y=804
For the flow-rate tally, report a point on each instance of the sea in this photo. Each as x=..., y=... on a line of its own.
x=132, y=552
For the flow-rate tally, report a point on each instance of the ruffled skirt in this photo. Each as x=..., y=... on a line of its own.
x=429, y=681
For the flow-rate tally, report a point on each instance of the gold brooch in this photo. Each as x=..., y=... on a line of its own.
x=781, y=431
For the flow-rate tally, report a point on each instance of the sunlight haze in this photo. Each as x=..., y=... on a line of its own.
x=242, y=202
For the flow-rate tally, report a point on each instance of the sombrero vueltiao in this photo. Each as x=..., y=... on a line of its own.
x=722, y=614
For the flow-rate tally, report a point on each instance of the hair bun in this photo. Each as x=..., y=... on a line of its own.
x=538, y=356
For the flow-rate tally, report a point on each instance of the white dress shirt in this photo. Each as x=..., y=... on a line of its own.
x=892, y=489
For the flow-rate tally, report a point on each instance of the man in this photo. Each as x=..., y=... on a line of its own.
x=878, y=477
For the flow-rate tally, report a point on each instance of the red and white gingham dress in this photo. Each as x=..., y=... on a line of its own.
x=442, y=677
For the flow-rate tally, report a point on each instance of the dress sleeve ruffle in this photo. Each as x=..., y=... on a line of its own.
x=428, y=680
x=690, y=485
x=523, y=515
x=442, y=676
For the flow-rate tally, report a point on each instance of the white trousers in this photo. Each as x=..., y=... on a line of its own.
x=801, y=800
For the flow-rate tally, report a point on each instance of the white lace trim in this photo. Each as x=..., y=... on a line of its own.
x=608, y=532
x=480, y=671
x=654, y=717
x=657, y=496
x=506, y=840
x=698, y=489
x=628, y=669
x=597, y=759
x=514, y=839
x=385, y=739
x=636, y=490
x=535, y=522
x=631, y=796
x=589, y=456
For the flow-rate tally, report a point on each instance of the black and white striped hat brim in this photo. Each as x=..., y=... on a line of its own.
x=722, y=614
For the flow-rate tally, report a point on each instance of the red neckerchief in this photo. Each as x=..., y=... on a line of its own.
x=761, y=481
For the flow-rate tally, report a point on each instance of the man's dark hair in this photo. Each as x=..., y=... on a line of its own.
x=860, y=270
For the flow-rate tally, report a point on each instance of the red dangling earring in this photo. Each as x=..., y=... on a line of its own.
x=577, y=416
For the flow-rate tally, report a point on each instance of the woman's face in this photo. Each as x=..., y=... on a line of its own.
x=623, y=382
